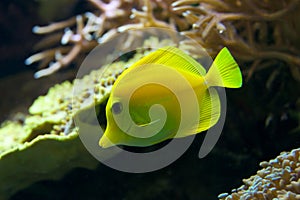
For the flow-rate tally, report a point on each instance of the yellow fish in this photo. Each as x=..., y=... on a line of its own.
x=166, y=94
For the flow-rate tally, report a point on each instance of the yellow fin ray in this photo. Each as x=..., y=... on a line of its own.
x=172, y=57
x=224, y=71
x=210, y=110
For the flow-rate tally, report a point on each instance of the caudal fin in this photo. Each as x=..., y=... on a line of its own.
x=224, y=71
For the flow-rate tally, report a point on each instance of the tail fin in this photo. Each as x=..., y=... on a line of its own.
x=224, y=71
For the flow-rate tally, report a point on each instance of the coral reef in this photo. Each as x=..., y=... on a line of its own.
x=45, y=145
x=45, y=157
x=261, y=34
x=279, y=179
x=258, y=33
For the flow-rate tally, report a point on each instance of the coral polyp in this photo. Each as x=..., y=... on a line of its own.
x=278, y=179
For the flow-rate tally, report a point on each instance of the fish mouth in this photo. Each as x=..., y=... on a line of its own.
x=104, y=142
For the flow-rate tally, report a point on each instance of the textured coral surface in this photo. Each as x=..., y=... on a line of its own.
x=279, y=178
x=45, y=145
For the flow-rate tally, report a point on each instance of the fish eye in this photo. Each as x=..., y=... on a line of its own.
x=116, y=108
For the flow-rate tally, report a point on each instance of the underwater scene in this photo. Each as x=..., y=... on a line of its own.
x=150, y=99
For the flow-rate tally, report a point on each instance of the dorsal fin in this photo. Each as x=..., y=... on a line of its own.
x=172, y=57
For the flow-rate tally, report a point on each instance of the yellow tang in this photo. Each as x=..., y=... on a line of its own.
x=147, y=101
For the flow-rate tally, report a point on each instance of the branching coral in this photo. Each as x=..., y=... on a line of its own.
x=257, y=32
x=254, y=31
x=89, y=29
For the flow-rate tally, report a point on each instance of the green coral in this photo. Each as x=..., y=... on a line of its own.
x=11, y=134
x=45, y=157
x=47, y=145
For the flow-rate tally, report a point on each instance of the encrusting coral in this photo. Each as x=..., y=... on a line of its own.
x=279, y=179
x=260, y=33
x=46, y=145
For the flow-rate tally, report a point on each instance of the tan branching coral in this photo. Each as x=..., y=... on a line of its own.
x=253, y=30
x=81, y=34
x=259, y=33
x=279, y=179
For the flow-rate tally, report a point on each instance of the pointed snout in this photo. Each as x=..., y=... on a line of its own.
x=104, y=142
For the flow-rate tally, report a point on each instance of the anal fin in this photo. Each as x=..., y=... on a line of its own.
x=210, y=108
